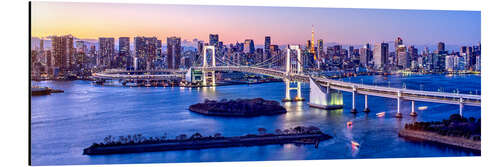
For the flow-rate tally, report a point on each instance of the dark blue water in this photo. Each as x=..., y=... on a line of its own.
x=63, y=124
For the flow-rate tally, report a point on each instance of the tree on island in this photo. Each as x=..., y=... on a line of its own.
x=278, y=131
x=217, y=135
x=262, y=131
x=196, y=136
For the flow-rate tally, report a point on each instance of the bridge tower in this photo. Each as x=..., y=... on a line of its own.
x=293, y=68
x=205, y=64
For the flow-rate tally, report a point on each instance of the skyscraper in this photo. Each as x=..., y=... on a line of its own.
x=106, y=51
x=321, y=53
x=124, y=58
x=62, y=51
x=200, y=52
x=173, y=52
x=267, y=47
x=403, y=57
x=380, y=55
x=413, y=52
x=441, y=48
x=398, y=42
x=364, y=55
x=145, y=51
x=249, y=47
x=214, y=39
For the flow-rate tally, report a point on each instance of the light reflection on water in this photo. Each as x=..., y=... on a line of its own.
x=65, y=123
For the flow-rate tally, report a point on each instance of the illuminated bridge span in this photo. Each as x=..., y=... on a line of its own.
x=324, y=92
x=321, y=94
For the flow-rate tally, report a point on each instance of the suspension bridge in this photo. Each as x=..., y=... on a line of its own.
x=323, y=91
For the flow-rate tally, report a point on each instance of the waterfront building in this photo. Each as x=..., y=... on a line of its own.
x=449, y=63
x=380, y=55
x=145, y=51
x=404, y=60
x=124, y=57
x=106, y=51
x=478, y=63
x=62, y=51
x=174, y=52
x=364, y=56
x=459, y=63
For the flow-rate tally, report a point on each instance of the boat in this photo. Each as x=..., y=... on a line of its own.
x=422, y=108
x=380, y=114
x=349, y=124
x=354, y=145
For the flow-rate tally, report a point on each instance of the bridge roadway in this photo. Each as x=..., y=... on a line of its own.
x=395, y=93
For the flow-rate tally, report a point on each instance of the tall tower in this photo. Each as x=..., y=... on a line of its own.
x=312, y=43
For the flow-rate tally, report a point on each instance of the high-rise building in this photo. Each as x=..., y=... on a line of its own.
x=380, y=55
x=106, y=51
x=173, y=52
x=249, y=47
x=267, y=47
x=145, y=51
x=351, y=50
x=404, y=60
x=320, y=50
x=398, y=42
x=62, y=51
x=413, y=52
x=449, y=62
x=158, y=48
x=441, y=48
x=364, y=55
x=124, y=58
x=259, y=57
x=214, y=39
x=200, y=52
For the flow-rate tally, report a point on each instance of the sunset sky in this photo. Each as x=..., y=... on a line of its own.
x=285, y=25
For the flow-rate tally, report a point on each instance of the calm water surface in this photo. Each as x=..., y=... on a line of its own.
x=63, y=124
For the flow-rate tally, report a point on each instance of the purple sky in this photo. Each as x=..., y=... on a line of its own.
x=285, y=25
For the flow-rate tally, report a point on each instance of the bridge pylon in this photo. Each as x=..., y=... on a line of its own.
x=208, y=74
x=293, y=68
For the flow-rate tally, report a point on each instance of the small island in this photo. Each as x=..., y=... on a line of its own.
x=456, y=131
x=138, y=143
x=238, y=107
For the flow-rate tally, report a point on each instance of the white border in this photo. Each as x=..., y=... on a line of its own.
x=14, y=70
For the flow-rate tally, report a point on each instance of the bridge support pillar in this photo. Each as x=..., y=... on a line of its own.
x=398, y=114
x=299, y=93
x=322, y=98
x=366, y=104
x=287, y=91
x=461, y=106
x=205, y=64
x=413, y=113
x=353, y=110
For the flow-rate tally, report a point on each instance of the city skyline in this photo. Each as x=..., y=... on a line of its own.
x=354, y=27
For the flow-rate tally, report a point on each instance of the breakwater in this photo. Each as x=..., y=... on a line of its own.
x=297, y=135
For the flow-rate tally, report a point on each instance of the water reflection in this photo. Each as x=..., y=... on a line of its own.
x=63, y=124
